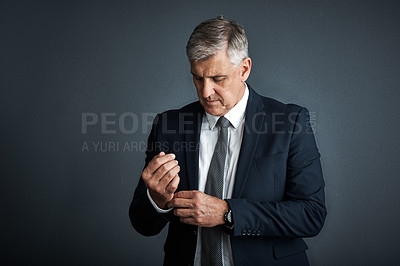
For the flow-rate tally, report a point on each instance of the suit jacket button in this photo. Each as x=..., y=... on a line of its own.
x=258, y=232
x=244, y=232
x=249, y=232
x=194, y=232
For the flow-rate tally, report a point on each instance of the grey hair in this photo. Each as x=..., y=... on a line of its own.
x=214, y=35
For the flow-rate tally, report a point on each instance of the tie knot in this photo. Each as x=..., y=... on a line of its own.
x=223, y=122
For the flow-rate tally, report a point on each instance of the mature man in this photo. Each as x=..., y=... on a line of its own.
x=236, y=175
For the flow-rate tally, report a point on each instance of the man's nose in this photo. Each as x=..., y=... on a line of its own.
x=208, y=88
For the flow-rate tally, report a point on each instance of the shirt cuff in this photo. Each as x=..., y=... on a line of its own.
x=158, y=209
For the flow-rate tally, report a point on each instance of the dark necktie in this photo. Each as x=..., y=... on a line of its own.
x=211, y=246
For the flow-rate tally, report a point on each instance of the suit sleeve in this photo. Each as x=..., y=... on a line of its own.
x=144, y=217
x=302, y=211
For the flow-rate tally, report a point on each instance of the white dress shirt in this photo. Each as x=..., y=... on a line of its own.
x=208, y=139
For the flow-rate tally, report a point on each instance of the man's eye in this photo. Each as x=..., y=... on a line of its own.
x=218, y=79
x=197, y=78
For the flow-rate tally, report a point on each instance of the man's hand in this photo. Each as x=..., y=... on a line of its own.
x=161, y=178
x=198, y=208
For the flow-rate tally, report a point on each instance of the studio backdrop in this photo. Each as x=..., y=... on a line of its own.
x=81, y=82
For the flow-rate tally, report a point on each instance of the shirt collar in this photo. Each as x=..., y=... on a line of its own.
x=235, y=115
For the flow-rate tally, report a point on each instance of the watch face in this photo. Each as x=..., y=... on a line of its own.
x=229, y=216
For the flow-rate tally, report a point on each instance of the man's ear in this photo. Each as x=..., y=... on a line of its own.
x=245, y=68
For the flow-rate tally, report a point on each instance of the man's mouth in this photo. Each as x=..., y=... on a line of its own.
x=212, y=101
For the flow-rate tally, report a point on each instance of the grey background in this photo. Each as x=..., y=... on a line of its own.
x=60, y=59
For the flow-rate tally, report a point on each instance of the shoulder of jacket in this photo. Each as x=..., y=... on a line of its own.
x=273, y=105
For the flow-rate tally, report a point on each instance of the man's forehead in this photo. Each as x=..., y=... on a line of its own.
x=211, y=67
x=210, y=74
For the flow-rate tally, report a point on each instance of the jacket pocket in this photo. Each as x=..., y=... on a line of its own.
x=289, y=248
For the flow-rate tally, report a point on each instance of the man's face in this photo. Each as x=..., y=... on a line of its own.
x=219, y=85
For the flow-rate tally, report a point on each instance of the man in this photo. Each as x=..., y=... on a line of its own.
x=236, y=175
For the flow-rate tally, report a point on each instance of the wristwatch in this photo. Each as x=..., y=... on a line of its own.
x=228, y=218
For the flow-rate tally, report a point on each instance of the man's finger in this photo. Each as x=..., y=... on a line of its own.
x=188, y=220
x=181, y=203
x=158, y=161
x=173, y=185
x=183, y=213
x=155, y=178
x=173, y=170
x=186, y=194
x=166, y=172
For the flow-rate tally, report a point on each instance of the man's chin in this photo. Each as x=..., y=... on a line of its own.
x=217, y=111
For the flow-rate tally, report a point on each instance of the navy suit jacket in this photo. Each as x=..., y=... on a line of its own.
x=278, y=197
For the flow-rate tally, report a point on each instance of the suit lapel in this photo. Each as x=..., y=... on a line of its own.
x=192, y=139
x=253, y=125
